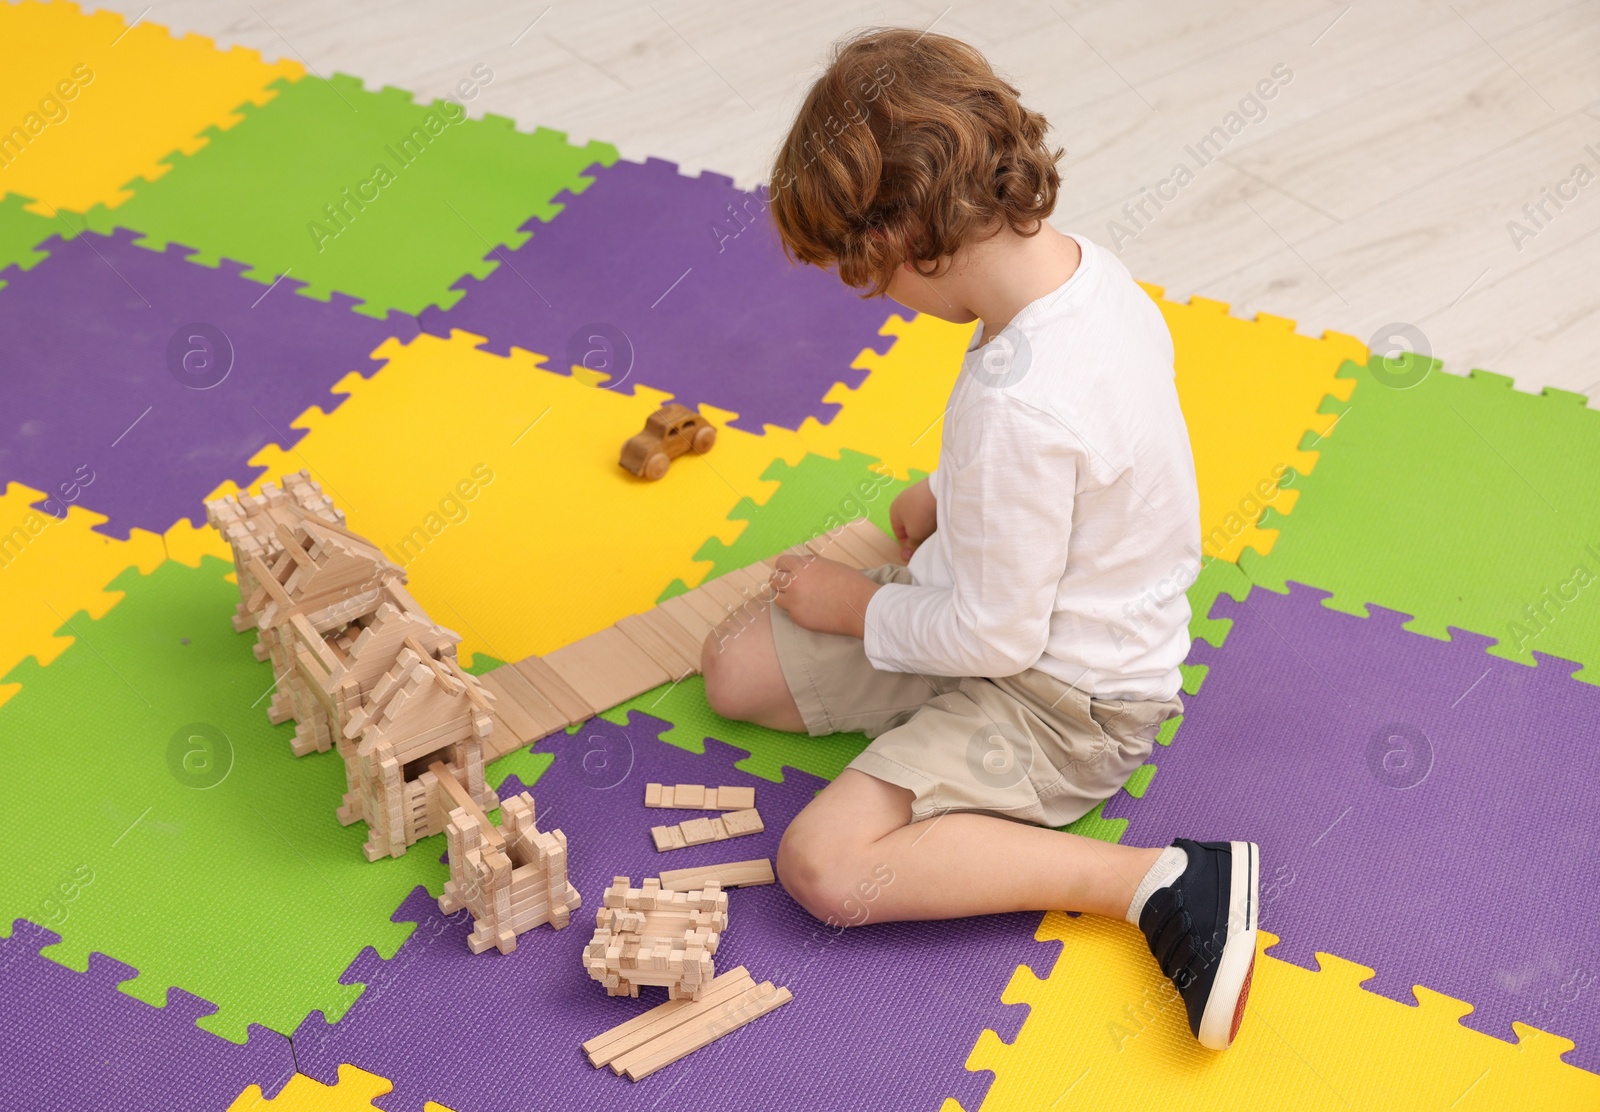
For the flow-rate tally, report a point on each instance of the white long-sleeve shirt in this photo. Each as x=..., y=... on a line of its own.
x=1068, y=520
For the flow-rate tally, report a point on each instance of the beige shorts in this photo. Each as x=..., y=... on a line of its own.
x=1029, y=747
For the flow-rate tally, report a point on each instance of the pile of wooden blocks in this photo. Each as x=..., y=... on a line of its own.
x=512, y=878
x=541, y=695
x=650, y=936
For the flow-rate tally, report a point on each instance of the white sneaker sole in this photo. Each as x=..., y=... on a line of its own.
x=1237, y=964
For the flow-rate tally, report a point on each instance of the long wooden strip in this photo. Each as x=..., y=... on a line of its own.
x=649, y=1025
x=547, y=719
x=658, y=648
x=686, y=644
x=887, y=548
x=606, y=668
x=508, y=712
x=693, y=622
x=555, y=689
x=850, y=549
x=461, y=800
x=687, y=1038
x=731, y=874
x=703, y=603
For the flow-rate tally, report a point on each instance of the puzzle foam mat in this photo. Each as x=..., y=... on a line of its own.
x=204, y=283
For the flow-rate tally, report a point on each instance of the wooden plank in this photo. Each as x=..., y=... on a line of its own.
x=702, y=602
x=514, y=687
x=651, y=1024
x=679, y=609
x=724, y=593
x=731, y=874
x=606, y=668
x=671, y=630
x=460, y=799
x=568, y=702
x=886, y=547
x=508, y=712
x=849, y=549
x=665, y=652
x=749, y=1006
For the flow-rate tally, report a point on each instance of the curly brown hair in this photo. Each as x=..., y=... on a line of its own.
x=906, y=147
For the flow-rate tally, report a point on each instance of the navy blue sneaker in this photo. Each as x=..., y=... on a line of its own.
x=1202, y=931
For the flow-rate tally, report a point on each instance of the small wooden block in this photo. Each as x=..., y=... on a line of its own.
x=560, y=694
x=733, y=799
x=606, y=668
x=739, y=823
x=733, y=874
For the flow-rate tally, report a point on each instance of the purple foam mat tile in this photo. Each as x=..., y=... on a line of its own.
x=72, y=1041
x=136, y=381
x=883, y=1016
x=1421, y=806
x=680, y=284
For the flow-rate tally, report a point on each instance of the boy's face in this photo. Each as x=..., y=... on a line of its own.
x=922, y=294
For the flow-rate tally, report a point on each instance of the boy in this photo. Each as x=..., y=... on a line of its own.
x=1017, y=671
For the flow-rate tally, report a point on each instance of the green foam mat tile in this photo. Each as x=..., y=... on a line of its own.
x=365, y=193
x=21, y=232
x=684, y=705
x=144, y=752
x=1459, y=501
x=814, y=496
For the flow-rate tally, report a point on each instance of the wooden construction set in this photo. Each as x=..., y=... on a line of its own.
x=362, y=670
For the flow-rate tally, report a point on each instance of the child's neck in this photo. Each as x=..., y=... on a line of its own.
x=1000, y=276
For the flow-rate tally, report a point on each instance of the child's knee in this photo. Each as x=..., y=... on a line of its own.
x=816, y=874
x=720, y=671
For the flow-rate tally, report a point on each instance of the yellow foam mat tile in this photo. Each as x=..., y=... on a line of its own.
x=53, y=572
x=496, y=484
x=897, y=412
x=355, y=1091
x=87, y=104
x=1250, y=391
x=1106, y=1030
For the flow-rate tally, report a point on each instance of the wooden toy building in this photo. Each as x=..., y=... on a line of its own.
x=650, y=936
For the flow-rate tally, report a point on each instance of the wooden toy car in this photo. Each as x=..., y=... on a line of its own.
x=668, y=433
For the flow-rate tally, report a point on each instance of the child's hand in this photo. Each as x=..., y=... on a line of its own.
x=823, y=595
x=913, y=517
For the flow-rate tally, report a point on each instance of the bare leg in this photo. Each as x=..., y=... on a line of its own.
x=855, y=856
x=743, y=678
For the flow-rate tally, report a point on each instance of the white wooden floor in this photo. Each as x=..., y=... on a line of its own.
x=1379, y=185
